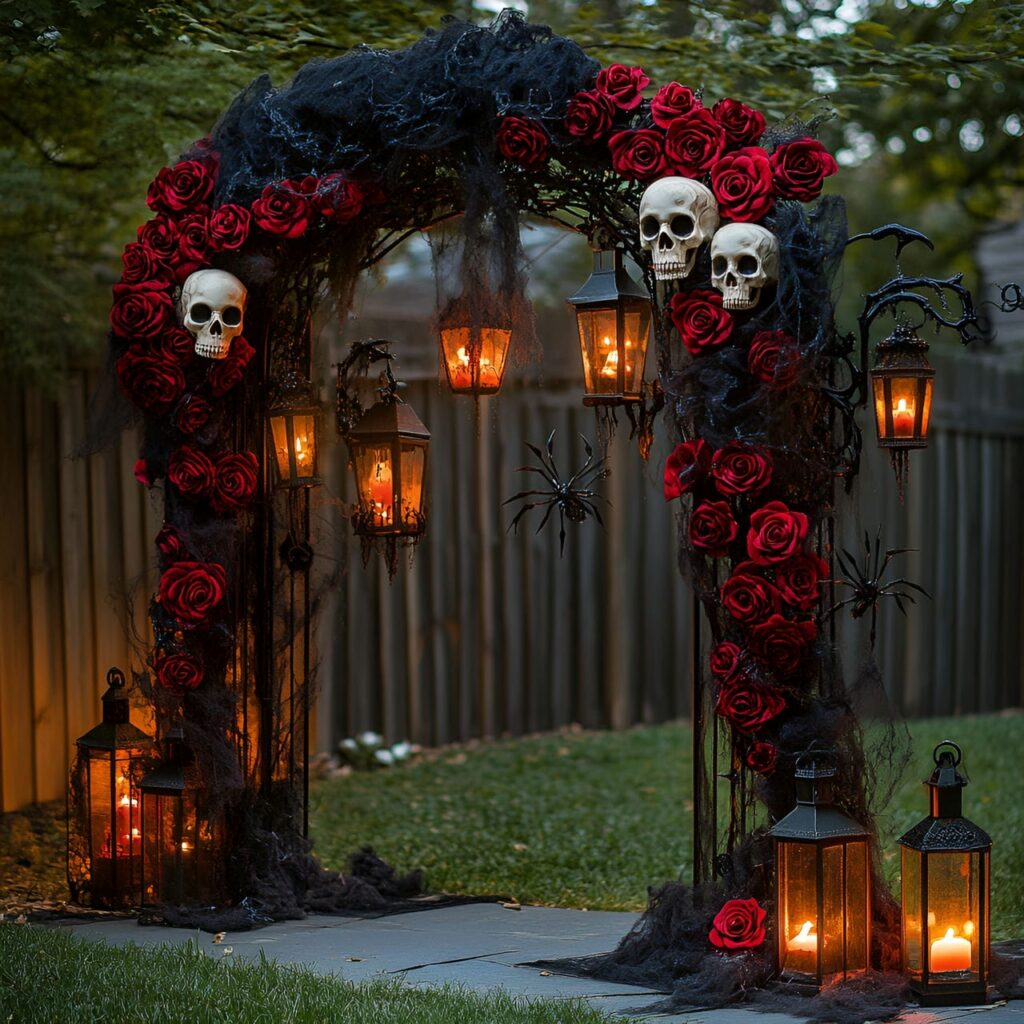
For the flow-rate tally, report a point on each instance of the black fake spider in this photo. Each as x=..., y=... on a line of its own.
x=573, y=498
x=866, y=583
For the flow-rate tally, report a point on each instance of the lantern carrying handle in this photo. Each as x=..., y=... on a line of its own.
x=937, y=755
x=115, y=678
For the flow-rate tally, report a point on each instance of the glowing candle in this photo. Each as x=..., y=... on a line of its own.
x=186, y=846
x=380, y=493
x=611, y=364
x=903, y=419
x=805, y=940
x=301, y=453
x=951, y=953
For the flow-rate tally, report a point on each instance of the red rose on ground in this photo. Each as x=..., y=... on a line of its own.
x=725, y=661
x=190, y=591
x=182, y=187
x=229, y=227
x=776, y=533
x=138, y=312
x=191, y=471
x=762, y=757
x=339, y=198
x=712, y=527
x=170, y=544
x=801, y=167
x=285, y=208
x=149, y=379
x=142, y=473
x=177, y=345
x=702, y=323
x=637, y=155
x=747, y=597
x=774, y=359
x=687, y=464
x=142, y=268
x=524, y=142
x=177, y=672
x=742, y=183
x=743, y=125
x=738, y=925
x=672, y=101
x=799, y=580
x=780, y=644
x=623, y=85
x=747, y=707
x=193, y=414
x=589, y=116
x=693, y=143
x=160, y=237
x=741, y=469
x=234, y=481
x=225, y=373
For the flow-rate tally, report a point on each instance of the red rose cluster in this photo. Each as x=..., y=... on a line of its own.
x=228, y=481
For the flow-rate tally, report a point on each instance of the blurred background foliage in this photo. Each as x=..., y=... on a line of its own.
x=96, y=95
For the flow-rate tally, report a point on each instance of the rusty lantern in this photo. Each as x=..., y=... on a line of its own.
x=902, y=381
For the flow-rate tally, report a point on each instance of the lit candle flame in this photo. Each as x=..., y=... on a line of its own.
x=804, y=939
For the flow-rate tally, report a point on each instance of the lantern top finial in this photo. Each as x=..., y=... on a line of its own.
x=115, y=731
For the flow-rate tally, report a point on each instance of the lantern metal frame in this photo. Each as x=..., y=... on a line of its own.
x=294, y=398
x=902, y=357
x=816, y=824
x=945, y=832
x=479, y=339
x=610, y=289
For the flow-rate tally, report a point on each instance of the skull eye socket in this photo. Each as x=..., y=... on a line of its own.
x=231, y=315
x=748, y=266
x=719, y=265
x=649, y=228
x=682, y=226
x=199, y=313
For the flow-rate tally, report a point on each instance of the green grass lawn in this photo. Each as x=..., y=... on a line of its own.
x=48, y=976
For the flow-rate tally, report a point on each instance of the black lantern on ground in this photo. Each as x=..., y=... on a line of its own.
x=902, y=381
x=181, y=846
x=474, y=348
x=822, y=883
x=294, y=431
x=613, y=317
x=104, y=837
x=945, y=888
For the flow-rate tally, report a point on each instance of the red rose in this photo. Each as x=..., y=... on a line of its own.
x=801, y=167
x=177, y=672
x=623, y=85
x=182, y=187
x=686, y=465
x=774, y=359
x=712, y=527
x=738, y=925
x=149, y=379
x=589, y=116
x=746, y=707
x=776, y=533
x=702, y=323
x=193, y=240
x=742, y=183
x=637, y=155
x=693, y=143
x=725, y=661
x=286, y=208
x=234, y=481
x=229, y=227
x=140, y=313
x=190, y=591
x=799, y=580
x=143, y=473
x=160, y=236
x=191, y=471
x=672, y=101
x=523, y=142
x=170, y=544
x=193, y=414
x=339, y=198
x=741, y=469
x=762, y=757
x=177, y=345
x=780, y=644
x=225, y=373
x=749, y=598
x=743, y=125
x=142, y=268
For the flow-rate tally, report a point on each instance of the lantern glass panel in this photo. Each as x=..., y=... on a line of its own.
x=180, y=850
x=414, y=459
x=903, y=406
x=858, y=905
x=475, y=365
x=113, y=824
x=295, y=446
x=910, y=873
x=954, y=917
x=798, y=908
x=613, y=362
x=375, y=480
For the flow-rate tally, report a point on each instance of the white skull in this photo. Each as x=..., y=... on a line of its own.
x=212, y=307
x=744, y=260
x=677, y=216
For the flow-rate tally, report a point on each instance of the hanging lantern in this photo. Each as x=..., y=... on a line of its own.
x=902, y=381
x=822, y=883
x=474, y=353
x=181, y=846
x=104, y=837
x=613, y=317
x=388, y=447
x=294, y=426
x=945, y=893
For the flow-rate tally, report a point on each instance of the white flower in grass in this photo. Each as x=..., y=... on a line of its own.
x=370, y=739
x=384, y=756
x=400, y=751
x=348, y=744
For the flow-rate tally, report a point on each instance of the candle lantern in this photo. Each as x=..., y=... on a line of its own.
x=388, y=447
x=945, y=893
x=474, y=352
x=294, y=425
x=822, y=883
x=103, y=812
x=181, y=845
x=613, y=317
x=902, y=381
